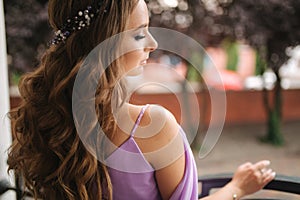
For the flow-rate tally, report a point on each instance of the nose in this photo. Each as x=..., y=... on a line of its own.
x=151, y=43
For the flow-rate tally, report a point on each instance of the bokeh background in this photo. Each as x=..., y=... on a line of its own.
x=253, y=44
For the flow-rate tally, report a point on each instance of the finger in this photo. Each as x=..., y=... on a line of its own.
x=267, y=172
x=268, y=176
x=246, y=165
x=262, y=164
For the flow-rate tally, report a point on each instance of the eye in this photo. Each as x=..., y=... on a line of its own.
x=139, y=37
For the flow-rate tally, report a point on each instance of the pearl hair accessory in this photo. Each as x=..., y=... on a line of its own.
x=80, y=21
x=234, y=197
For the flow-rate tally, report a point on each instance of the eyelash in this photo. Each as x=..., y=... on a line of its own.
x=139, y=37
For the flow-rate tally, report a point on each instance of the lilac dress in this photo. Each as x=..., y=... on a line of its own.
x=133, y=177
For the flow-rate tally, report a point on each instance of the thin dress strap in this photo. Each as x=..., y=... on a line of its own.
x=138, y=120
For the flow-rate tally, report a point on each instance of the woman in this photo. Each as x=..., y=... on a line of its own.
x=51, y=156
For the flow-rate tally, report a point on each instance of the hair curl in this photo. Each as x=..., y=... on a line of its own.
x=47, y=151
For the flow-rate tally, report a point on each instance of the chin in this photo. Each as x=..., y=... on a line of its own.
x=136, y=71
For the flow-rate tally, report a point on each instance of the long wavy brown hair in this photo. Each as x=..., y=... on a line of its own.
x=47, y=151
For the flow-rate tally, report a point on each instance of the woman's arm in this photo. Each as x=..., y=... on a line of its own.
x=248, y=178
x=164, y=150
x=169, y=177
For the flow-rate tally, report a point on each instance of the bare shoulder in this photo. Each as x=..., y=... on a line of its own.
x=165, y=119
x=158, y=137
x=159, y=112
x=153, y=113
x=158, y=123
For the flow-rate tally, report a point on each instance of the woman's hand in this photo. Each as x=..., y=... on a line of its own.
x=250, y=178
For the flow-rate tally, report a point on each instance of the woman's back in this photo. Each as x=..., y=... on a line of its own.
x=133, y=176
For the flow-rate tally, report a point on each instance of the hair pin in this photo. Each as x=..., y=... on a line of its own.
x=81, y=20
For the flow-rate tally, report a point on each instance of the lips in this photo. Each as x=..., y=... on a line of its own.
x=144, y=62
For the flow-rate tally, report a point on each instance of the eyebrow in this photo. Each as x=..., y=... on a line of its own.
x=141, y=26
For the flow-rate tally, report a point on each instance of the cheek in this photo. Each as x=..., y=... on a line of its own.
x=132, y=59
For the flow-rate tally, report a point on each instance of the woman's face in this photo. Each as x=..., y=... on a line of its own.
x=139, y=39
